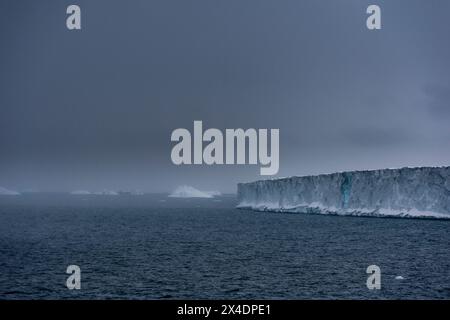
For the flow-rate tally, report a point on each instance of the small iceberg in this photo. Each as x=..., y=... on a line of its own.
x=407, y=193
x=131, y=193
x=95, y=193
x=214, y=193
x=137, y=193
x=399, y=278
x=191, y=192
x=106, y=193
x=7, y=192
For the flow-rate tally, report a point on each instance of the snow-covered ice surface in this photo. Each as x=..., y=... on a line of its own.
x=191, y=192
x=7, y=192
x=407, y=192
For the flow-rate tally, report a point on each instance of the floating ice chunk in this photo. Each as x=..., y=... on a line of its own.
x=399, y=278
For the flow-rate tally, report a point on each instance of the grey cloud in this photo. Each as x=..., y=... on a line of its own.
x=95, y=109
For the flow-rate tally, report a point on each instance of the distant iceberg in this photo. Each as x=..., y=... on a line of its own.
x=214, y=193
x=7, y=192
x=95, y=193
x=106, y=193
x=80, y=192
x=408, y=192
x=191, y=192
x=131, y=192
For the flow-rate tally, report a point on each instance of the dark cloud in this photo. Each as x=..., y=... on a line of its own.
x=95, y=108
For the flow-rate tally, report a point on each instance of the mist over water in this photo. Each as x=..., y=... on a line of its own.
x=152, y=247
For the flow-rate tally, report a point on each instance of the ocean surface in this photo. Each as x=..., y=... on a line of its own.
x=155, y=247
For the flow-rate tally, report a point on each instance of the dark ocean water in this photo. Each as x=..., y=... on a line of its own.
x=153, y=247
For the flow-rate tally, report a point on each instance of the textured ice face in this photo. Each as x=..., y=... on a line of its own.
x=409, y=192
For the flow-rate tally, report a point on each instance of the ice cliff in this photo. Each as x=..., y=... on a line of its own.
x=406, y=192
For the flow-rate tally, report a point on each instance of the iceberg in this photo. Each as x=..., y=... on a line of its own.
x=214, y=193
x=191, y=192
x=80, y=192
x=422, y=192
x=133, y=192
x=7, y=192
x=106, y=193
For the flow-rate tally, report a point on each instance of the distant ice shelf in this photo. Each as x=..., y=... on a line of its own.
x=407, y=192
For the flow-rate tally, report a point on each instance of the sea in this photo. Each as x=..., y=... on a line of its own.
x=156, y=247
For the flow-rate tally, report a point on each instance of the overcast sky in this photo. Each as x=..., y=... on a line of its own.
x=94, y=109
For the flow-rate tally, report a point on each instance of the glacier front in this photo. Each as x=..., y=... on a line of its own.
x=407, y=192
